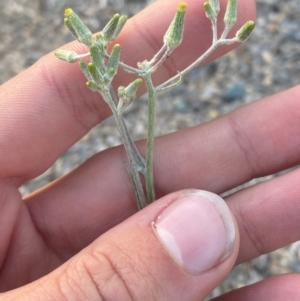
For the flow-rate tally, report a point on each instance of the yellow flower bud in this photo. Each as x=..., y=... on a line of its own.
x=77, y=27
x=174, y=34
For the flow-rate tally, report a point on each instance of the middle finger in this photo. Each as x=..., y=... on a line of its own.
x=98, y=195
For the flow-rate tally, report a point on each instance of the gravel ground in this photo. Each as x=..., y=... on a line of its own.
x=268, y=63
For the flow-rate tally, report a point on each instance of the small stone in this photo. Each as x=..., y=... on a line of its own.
x=234, y=92
x=207, y=93
x=273, y=28
x=267, y=57
x=213, y=114
x=181, y=106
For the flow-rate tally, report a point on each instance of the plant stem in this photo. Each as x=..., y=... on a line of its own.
x=211, y=49
x=161, y=61
x=150, y=140
x=133, y=170
x=139, y=160
x=215, y=31
x=158, y=54
x=226, y=31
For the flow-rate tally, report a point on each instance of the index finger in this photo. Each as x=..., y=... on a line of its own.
x=46, y=109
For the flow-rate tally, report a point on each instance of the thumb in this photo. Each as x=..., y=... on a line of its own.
x=178, y=248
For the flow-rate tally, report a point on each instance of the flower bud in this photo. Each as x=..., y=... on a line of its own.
x=109, y=75
x=231, y=13
x=92, y=86
x=109, y=29
x=121, y=23
x=77, y=27
x=100, y=42
x=68, y=56
x=244, y=33
x=127, y=95
x=97, y=59
x=215, y=5
x=113, y=62
x=209, y=12
x=84, y=67
x=96, y=76
x=174, y=34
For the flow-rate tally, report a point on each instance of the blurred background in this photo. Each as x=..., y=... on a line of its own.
x=268, y=63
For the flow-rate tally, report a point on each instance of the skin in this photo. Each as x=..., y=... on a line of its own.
x=76, y=230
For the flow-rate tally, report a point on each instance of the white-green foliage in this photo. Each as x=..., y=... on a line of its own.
x=101, y=66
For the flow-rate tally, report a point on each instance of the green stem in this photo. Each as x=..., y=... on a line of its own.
x=158, y=54
x=150, y=140
x=139, y=160
x=208, y=52
x=215, y=30
x=132, y=168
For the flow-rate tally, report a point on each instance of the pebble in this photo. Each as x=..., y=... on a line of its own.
x=267, y=57
x=234, y=92
x=181, y=105
x=213, y=114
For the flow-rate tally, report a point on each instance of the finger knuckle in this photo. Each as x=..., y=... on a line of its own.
x=108, y=273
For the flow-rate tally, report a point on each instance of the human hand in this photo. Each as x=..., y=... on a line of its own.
x=54, y=232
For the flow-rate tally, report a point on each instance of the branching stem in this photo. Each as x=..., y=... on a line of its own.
x=150, y=140
x=139, y=160
x=103, y=66
x=215, y=31
x=133, y=170
x=207, y=53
